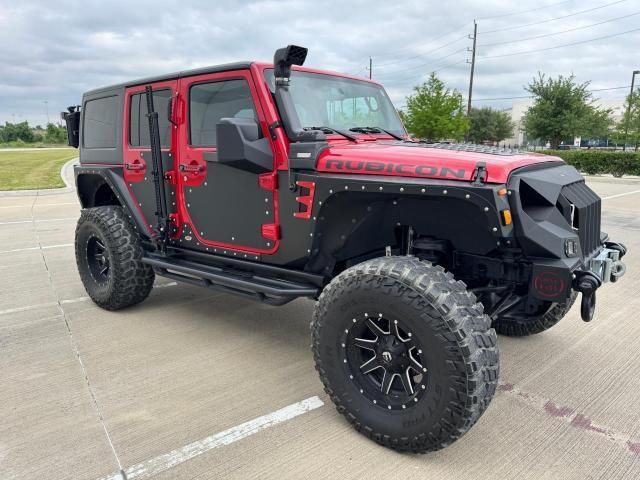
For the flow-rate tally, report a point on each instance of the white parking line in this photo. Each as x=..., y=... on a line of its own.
x=64, y=302
x=44, y=247
x=620, y=195
x=17, y=222
x=176, y=457
x=40, y=205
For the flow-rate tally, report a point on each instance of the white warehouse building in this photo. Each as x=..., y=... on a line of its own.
x=519, y=108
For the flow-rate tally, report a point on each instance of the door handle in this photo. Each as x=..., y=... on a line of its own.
x=136, y=167
x=191, y=168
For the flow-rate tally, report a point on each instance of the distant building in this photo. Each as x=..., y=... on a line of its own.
x=519, y=108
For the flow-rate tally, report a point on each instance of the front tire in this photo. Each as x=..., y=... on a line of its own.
x=432, y=362
x=109, y=259
x=522, y=326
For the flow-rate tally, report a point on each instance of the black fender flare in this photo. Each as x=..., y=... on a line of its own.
x=112, y=177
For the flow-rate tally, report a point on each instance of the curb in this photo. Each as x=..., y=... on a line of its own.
x=66, y=173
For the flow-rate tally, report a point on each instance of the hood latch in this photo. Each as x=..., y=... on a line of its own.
x=479, y=175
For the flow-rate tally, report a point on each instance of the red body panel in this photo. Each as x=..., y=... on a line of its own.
x=415, y=161
x=369, y=156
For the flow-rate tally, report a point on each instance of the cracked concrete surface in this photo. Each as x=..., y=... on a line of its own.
x=87, y=392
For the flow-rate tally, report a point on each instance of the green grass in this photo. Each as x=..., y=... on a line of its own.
x=33, y=169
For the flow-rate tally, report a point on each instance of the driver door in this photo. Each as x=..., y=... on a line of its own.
x=226, y=207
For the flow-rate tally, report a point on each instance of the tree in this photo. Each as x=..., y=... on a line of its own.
x=627, y=131
x=487, y=124
x=434, y=112
x=12, y=132
x=563, y=109
x=55, y=134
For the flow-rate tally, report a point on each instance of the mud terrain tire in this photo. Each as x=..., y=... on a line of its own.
x=524, y=326
x=435, y=313
x=108, y=255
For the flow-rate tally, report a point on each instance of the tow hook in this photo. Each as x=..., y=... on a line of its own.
x=587, y=283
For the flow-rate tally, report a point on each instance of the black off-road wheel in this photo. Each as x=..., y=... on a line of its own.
x=523, y=325
x=405, y=353
x=108, y=255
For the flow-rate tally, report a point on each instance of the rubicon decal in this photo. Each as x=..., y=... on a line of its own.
x=403, y=169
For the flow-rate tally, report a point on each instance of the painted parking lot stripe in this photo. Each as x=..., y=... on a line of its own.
x=40, y=205
x=65, y=302
x=620, y=195
x=18, y=222
x=178, y=456
x=44, y=247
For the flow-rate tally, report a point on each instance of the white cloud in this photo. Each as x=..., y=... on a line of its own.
x=54, y=51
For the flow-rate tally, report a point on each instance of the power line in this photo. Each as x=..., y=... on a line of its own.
x=558, y=33
x=525, y=11
x=527, y=52
x=450, y=65
x=423, y=54
x=417, y=79
x=433, y=61
x=553, y=19
x=531, y=96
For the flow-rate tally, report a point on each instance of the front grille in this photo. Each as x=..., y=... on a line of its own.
x=587, y=208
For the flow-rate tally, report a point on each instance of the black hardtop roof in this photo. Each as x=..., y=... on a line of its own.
x=175, y=75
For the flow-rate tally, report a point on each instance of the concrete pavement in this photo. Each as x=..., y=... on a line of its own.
x=87, y=392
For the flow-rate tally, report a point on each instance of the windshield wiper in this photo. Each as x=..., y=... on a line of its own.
x=333, y=130
x=376, y=130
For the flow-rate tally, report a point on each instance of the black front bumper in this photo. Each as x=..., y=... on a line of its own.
x=557, y=225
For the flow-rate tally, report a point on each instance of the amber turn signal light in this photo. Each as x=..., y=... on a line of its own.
x=506, y=217
x=502, y=192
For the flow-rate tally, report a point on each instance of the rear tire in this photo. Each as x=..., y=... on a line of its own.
x=524, y=326
x=424, y=319
x=109, y=259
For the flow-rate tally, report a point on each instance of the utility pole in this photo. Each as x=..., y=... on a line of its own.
x=628, y=119
x=473, y=65
x=370, y=67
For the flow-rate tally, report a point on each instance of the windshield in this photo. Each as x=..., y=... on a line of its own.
x=339, y=103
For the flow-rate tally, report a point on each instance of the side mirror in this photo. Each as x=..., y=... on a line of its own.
x=242, y=145
x=72, y=120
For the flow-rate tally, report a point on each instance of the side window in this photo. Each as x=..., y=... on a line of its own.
x=209, y=102
x=139, y=123
x=99, y=124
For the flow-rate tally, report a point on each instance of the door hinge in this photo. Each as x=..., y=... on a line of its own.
x=268, y=181
x=272, y=129
x=271, y=231
x=170, y=178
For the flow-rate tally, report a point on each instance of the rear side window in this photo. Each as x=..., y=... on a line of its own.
x=209, y=102
x=139, y=123
x=99, y=125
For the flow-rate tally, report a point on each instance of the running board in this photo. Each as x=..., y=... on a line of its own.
x=269, y=290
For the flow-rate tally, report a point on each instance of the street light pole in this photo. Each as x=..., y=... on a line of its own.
x=626, y=123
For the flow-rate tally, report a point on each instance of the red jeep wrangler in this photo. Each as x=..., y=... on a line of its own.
x=276, y=182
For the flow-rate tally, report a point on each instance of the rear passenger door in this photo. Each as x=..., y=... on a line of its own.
x=226, y=209
x=138, y=165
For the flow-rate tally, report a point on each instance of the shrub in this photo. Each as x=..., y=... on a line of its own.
x=594, y=162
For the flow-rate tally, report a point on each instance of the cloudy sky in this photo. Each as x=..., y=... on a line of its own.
x=52, y=51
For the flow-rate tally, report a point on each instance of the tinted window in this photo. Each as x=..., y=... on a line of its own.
x=209, y=102
x=99, y=127
x=139, y=123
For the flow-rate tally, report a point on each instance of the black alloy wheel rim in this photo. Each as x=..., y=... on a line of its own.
x=98, y=259
x=385, y=361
